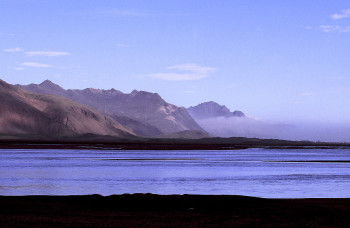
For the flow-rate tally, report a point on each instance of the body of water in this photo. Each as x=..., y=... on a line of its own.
x=271, y=173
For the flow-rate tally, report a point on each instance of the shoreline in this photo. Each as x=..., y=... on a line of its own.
x=168, y=144
x=150, y=210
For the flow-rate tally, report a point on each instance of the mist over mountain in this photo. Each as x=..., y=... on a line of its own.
x=147, y=114
x=218, y=120
x=24, y=112
x=244, y=127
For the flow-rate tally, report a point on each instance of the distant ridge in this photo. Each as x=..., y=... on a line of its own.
x=219, y=121
x=147, y=114
x=212, y=109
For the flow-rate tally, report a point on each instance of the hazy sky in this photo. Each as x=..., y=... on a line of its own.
x=283, y=60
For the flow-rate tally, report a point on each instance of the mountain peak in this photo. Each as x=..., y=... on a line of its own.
x=143, y=93
x=238, y=113
x=47, y=82
x=146, y=97
x=214, y=105
x=212, y=109
x=92, y=90
x=4, y=84
x=210, y=102
x=112, y=92
x=49, y=85
x=134, y=92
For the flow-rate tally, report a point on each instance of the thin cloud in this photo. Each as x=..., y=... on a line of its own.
x=11, y=50
x=122, y=45
x=309, y=27
x=338, y=77
x=6, y=34
x=305, y=94
x=34, y=64
x=329, y=28
x=344, y=14
x=123, y=13
x=194, y=72
x=334, y=28
x=193, y=67
x=46, y=53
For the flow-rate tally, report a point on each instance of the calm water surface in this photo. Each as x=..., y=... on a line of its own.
x=275, y=173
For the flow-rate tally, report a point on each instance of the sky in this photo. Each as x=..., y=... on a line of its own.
x=282, y=61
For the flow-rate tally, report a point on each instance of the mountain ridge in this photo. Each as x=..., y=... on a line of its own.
x=212, y=109
x=145, y=110
x=23, y=112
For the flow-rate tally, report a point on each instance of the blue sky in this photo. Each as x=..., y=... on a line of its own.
x=275, y=60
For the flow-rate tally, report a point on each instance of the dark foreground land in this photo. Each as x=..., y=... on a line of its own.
x=146, y=210
x=111, y=143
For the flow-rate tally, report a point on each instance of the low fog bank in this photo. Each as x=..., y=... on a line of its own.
x=249, y=127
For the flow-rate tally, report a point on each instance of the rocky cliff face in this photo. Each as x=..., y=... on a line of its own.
x=145, y=113
x=211, y=110
x=24, y=112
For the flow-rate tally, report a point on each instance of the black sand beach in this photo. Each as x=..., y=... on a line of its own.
x=147, y=210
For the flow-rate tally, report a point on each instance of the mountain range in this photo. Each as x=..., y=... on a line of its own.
x=26, y=113
x=146, y=114
x=48, y=109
